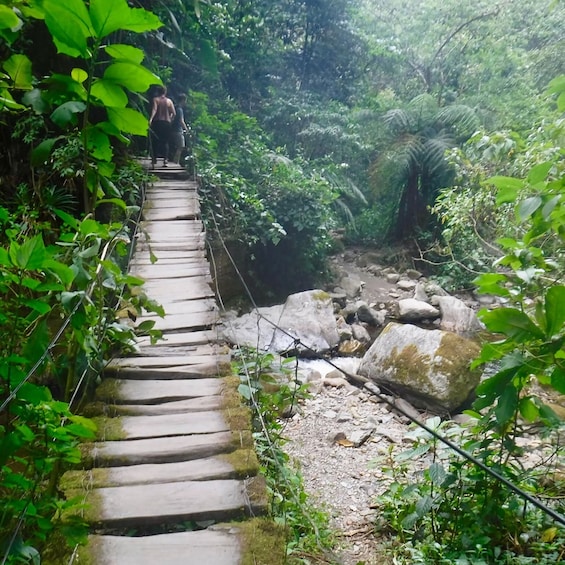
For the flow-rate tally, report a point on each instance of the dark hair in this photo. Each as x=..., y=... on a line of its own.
x=181, y=98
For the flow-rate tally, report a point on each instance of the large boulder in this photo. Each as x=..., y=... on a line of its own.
x=308, y=317
x=430, y=368
x=457, y=317
x=255, y=329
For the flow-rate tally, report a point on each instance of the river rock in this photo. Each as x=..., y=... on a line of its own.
x=369, y=315
x=412, y=310
x=406, y=285
x=307, y=316
x=430, y=368
x=255, y=329
x=457, y=317
x=360, y=333
x=351, y=348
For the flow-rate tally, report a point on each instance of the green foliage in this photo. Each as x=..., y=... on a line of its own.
x=272, y=390
x=452, y=511
x=61, y=278
x=412, y=168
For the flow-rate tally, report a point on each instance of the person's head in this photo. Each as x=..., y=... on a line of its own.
x=161, y=91
x=182, y=99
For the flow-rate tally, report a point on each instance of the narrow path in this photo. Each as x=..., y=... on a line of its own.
x=174, y=459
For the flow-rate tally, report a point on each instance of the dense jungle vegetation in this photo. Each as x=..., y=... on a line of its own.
x=435, y=125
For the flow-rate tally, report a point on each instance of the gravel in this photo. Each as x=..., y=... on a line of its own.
x=340, y=478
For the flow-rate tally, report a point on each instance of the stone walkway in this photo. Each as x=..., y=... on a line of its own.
x=174, y=460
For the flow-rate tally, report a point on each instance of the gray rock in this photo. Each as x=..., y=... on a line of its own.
x=457, y=317
x=351, y=285
x=369, y=315
x=254, y=329
x=392, y=278
x=307, y=316
x=411, y=310
x=434, y=288
x=420, y=293
x=413, y=274
x=430, y=368
x=406, y=285
x=359, y=437
x=360, y=333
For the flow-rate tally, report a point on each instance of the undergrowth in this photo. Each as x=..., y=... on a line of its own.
x=270, y=387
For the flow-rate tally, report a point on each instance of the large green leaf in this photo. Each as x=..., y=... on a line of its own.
x=508, y=188
x=131, y=75
x=507, y=405
x=42, y=152
x=555, y=310
x=511, y=322
x=558, y=380
x=19, y=69
x=110, y=15
x=98, y=143
x=109, y=93
x=528, y=206
x=70, y=26
x=125, y=53
x=29, y=255
x=8, y=18
x=539, y=172
x=66, y=113
x=128, y=120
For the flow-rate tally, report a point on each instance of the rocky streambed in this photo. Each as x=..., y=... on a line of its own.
x=410, y=339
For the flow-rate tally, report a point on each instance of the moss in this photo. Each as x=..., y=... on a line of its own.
x=243, y=461
x=230, y=395
x=109, y=429
x=408, y=364
x=466, y=351
x=242, y=439
x=256, y=489
x=74, y=480
x=237, y=418
x=263, y=542
x=108, y=390
x=321, y=295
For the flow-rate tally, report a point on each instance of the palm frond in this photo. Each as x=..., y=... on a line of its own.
x=463, y=119
x=433, y=152
x=398, y=121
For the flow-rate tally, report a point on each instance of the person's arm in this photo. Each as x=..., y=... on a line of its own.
x=153, y=110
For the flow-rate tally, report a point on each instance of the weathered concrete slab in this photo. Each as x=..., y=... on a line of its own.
x=206, y=349
x=155, y=391
x=143, y=505
x=162, y=450
x=140, y=427
x=208, y=547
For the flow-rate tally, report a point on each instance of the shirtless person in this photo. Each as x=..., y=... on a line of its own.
x=162, y=115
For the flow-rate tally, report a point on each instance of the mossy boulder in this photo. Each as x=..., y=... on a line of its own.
x=431, y=368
